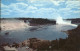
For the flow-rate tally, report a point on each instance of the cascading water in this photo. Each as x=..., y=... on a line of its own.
x=59, y=20
x=13, y=25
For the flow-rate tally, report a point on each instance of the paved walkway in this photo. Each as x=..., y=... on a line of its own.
x=7, y=48
x=24, y=49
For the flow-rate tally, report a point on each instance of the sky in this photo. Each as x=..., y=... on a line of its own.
x=50, y=9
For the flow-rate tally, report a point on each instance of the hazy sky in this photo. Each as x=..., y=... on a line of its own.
x=40, y=8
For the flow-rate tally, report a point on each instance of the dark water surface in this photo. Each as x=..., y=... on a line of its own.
x=46, y=32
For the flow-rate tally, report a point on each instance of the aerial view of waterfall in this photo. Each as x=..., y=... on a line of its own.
x=40, y=25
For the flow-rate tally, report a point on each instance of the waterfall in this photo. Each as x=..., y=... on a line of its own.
x=13, y=24
x=60, y=20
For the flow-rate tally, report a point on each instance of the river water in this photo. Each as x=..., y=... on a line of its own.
x=46, y=32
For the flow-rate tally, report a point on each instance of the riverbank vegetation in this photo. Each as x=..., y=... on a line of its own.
x=72, y=43
x=34, y=21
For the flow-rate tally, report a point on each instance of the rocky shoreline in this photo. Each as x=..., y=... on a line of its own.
x=25, y=45
x=71, y=43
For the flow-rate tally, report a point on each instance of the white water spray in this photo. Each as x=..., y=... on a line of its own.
x=59, y=20
x=13, y=25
